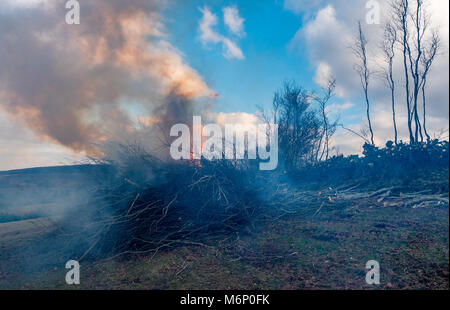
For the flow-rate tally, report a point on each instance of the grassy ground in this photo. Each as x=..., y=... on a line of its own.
x=320, y=246
x=327, y=251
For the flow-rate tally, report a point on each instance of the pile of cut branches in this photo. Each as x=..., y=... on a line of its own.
x=153, y=205
x=150, y=205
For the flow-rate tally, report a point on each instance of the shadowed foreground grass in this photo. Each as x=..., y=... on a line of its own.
x=324, y=251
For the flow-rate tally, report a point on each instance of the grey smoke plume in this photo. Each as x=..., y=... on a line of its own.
x=72, y=83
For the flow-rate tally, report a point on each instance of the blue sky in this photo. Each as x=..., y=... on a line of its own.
x=300, y=40
x=243, y=50
x=243, y=83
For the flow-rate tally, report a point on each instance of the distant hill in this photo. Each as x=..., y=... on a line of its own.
x=46, y=191
x=52, y=170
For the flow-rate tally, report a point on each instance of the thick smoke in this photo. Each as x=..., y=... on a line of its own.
x=72, y=83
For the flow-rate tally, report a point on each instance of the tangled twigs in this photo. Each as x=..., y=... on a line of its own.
x=151, y=206
x=310, y=203
x=171, y=205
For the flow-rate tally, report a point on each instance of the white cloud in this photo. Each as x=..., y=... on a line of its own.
x=208, y=35
x=208, y=21
x=247, y=123
x=25, y=3
x=336, y=108
x=323, y=74
x=232, y=50
x=327, y=35
x=27, y=150
x=327, y=40
x=233, y=20
x=245, y=119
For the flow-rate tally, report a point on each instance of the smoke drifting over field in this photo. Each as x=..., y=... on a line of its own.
x=72, y=83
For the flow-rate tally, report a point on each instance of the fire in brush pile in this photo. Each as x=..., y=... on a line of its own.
x=118, y=58
x=154, y=205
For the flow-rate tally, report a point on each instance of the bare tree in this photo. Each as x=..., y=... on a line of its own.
x=420, y=21
x=362, y=134
x=429, y=54
x=360, y=51
x=412, y=21
x=400, y=10
x=328, y=126
x=388, y=47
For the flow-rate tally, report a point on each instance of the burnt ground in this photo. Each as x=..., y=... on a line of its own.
x=314, y=245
